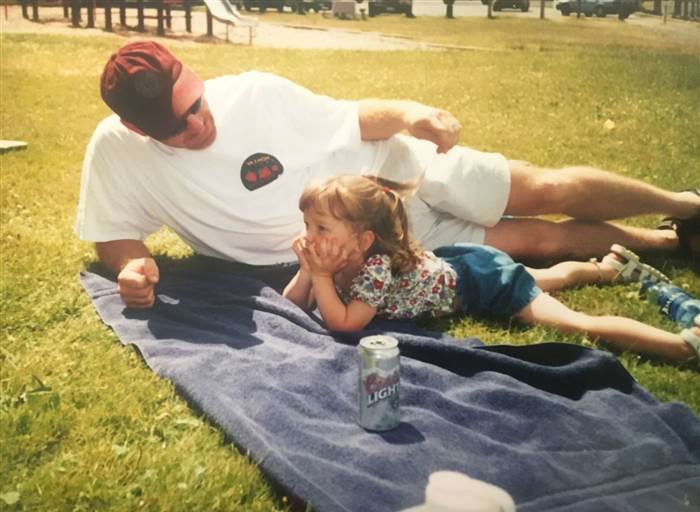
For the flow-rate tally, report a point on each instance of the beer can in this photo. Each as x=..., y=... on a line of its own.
x=379, y=383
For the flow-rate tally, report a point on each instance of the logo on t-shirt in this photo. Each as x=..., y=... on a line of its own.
x=259, y=169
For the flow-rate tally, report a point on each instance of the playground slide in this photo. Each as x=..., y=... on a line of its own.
x=226, y=12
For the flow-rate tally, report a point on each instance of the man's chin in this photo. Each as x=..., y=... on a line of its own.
x=204, y=142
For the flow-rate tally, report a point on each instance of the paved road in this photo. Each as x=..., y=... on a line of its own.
x=474, y=8
x=682, y=31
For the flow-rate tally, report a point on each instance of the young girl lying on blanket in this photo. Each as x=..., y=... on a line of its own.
x=358, y=259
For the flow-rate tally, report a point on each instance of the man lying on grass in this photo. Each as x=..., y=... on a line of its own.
x=223, y=164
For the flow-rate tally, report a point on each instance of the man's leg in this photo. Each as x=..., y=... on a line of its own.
x=588, y=193
x=539, y=239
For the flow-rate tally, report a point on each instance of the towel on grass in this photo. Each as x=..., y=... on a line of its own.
x=560, y=427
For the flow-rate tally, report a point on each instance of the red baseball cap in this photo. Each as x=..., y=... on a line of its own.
x=147, y=86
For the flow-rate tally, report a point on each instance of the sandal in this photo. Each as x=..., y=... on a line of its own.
x=686, y=230
x=629, y=268
x=691, y=337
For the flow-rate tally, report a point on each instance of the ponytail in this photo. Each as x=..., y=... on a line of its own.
x=393, y=236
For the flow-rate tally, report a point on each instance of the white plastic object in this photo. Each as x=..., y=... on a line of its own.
x=450, y=491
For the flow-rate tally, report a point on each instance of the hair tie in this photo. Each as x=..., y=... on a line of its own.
x=387, y=190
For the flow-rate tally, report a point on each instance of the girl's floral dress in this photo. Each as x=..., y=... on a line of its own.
x=429, y=288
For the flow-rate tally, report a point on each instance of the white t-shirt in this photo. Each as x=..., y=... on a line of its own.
x=238, y=198
x=132, y=185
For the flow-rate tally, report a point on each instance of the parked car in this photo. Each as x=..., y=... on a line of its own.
x=262, y=5
x=498, y=5
x=309, y=5
x=380, y=6
x=600, y=8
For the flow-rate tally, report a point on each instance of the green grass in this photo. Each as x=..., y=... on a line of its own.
x=85, y=425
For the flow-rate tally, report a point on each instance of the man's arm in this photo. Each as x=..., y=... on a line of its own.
x=380, y=119
x=137, y=272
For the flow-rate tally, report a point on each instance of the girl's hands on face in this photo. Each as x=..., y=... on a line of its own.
x=325, y=256
x=299, y=247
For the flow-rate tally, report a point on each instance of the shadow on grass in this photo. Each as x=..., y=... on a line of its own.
x=511, y=333
x=275, y=276
x=673, y=264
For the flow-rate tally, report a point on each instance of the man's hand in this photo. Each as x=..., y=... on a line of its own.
x=136, y=282
x=380, y=119
x=438, y=126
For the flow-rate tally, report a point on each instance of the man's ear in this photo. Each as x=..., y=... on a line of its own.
x=367, y=238
x=132, y=127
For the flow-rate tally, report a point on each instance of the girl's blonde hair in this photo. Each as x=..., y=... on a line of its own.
x=369, y=202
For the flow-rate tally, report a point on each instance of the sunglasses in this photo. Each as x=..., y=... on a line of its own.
x=182, y=124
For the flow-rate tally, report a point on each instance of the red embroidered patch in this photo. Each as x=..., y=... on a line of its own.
x=259, y=169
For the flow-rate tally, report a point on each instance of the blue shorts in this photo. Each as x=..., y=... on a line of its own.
x=489, y=282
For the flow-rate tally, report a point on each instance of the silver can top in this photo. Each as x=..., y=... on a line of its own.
x=379, y=342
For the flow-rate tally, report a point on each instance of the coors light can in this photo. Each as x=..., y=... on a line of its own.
x=379, y=382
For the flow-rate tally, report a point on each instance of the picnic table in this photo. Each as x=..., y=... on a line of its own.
x=222, y=10
x=163, y=10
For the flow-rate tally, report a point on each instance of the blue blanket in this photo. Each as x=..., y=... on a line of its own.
x=560, y=427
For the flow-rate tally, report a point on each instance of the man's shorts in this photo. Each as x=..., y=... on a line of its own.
x=463, y=192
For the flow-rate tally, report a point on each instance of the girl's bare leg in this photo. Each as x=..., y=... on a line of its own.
x=620, y=263
x=623, y=333
x=570, y=274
